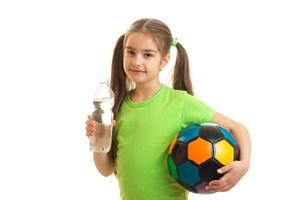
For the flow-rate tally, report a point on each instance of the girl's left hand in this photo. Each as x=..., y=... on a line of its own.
x=233, y=172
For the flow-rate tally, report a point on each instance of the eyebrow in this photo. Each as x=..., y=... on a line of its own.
x=144, y=50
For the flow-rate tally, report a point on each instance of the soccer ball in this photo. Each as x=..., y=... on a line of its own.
x=197, y=152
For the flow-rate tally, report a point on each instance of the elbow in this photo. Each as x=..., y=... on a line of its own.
x=106, y=172
x=104, y=164
x=238, y=126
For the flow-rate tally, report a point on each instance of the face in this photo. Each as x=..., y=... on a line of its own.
x=142, y=60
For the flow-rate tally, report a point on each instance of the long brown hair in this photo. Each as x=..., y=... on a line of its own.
x=163, y=38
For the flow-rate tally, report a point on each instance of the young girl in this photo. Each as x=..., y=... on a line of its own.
x=148, y=114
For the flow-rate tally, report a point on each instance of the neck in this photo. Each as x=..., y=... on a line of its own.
x=145, y=91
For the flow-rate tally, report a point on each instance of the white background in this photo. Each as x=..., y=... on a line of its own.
x=243, y=55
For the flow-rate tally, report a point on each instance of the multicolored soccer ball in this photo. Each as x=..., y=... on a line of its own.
x=197, y=152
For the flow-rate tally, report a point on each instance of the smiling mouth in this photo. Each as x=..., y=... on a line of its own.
x=137, y=71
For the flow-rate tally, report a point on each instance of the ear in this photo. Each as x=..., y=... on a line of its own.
x=164, y=61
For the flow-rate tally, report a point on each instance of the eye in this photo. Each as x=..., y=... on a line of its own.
x=148, y=55
x=130, y=53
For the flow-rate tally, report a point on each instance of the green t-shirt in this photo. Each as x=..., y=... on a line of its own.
x=144, y=132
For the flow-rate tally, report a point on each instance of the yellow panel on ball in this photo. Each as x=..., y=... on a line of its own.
x=224, y=152
x=199, y=151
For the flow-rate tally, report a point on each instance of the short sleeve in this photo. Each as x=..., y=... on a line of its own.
x=196, y=111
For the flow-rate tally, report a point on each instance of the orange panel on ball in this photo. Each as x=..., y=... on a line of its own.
x=199, y=150
x=172, y=145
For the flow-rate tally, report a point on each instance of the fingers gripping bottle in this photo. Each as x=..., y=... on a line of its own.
x=103, y=101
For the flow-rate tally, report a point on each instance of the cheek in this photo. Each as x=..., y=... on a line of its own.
x=126, y=61
x=125, y=64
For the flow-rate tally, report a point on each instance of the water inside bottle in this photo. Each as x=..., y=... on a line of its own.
x=101, y=141
x=102, y=112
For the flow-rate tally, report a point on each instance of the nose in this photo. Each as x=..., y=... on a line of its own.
x=138, y=60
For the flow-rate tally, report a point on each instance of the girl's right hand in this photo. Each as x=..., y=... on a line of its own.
x=92, y=126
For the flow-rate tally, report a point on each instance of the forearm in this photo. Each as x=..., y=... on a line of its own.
x=241, y=134
x=104, y=163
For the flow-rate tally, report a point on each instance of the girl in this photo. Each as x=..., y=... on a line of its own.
x=148, y=114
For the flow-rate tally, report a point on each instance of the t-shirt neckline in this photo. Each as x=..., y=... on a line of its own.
x=146, y=101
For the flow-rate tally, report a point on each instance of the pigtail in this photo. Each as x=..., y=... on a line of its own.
x=181, y=73
x=118, y=85
x=118, y=76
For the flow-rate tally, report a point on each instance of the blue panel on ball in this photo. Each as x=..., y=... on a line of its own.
x=189, y=133
x=188, y=173
x=228, y=136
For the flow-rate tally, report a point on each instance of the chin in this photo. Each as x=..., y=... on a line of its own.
x=137, y=79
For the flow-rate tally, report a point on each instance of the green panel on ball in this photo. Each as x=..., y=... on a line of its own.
x=172, y=167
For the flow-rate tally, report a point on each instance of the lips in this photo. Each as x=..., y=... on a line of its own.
x=137, y=70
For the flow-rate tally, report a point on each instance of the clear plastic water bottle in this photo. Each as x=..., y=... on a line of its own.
x=103, y=101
